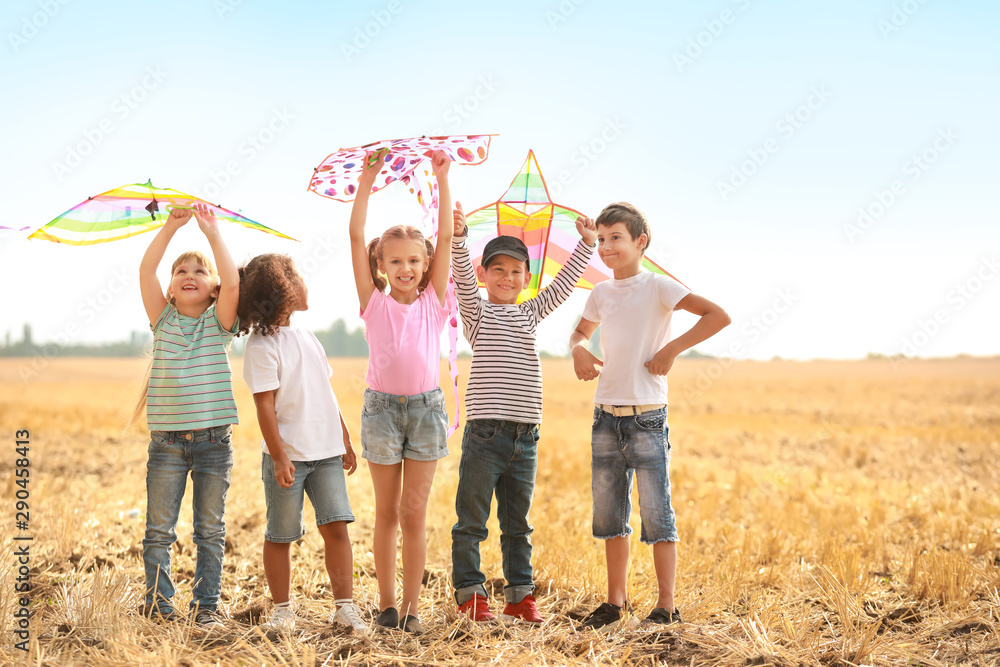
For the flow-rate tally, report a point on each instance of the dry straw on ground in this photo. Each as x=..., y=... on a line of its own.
x=831, y=513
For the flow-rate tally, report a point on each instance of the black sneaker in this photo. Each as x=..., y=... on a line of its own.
x=412, y=624
x=388, y=618
x=661, y=616
x=604, y=616
x=208, y=619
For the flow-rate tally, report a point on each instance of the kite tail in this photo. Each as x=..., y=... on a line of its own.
x=451, y=302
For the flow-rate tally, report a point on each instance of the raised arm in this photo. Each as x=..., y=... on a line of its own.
x=584, y=362
x=551, y=297
x=713, y=320
x=359, y=214
x=152, y=292
x=442, y=248
x=470, y=303
x=229, y=276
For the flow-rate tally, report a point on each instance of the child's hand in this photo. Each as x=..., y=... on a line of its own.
x=661, y=363
x=284, y=472
x=207, y=221
x=178, y=218
x=440, y=163
x=585, y=363
x=587, y=229
x=459, y=220
x=350, y=459
x=371, y=169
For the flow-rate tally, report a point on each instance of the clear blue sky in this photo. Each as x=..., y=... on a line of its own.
x=751, y=132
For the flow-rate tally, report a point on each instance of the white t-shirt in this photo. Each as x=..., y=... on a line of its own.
x=634, y=314
x=294, y=363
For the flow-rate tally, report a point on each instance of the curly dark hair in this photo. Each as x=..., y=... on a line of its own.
x=268, y=293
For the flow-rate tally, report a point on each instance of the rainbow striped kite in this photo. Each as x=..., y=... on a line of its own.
x=128, y=211
x=549, y=230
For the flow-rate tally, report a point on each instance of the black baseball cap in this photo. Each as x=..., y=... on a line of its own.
x=505, y=245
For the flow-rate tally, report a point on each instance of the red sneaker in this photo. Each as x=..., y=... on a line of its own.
x=477, y=609
x=524, y=610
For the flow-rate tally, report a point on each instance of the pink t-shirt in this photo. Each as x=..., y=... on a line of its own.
x=404, y=343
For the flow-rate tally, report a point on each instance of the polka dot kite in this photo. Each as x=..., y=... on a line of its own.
x=406, y=161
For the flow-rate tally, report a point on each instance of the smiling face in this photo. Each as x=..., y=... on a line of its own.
x=193, y=286
x=618, y=250
x=404, y=262
x=504, y=278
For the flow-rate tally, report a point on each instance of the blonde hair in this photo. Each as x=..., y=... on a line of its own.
x=399, y=232
x=193, y=256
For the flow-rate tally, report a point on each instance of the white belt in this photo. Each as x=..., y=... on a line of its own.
x=627, y=410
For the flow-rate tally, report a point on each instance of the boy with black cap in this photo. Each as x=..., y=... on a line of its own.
x=503, y=408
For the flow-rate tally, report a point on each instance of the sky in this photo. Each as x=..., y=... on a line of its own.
x=825, y=171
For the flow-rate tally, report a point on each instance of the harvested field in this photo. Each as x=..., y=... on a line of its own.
x=831, y=513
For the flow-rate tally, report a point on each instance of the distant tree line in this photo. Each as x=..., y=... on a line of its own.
x=338, y=341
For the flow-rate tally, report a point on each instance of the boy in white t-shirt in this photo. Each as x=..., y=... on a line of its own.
x=630, y=414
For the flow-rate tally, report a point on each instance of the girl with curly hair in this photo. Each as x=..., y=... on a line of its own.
x=306, y=446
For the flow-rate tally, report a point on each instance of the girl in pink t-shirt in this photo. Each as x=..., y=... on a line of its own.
x=404, y=422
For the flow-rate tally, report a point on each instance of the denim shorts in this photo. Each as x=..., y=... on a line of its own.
x=326, y=486
x=619, y=446
x=397, y=427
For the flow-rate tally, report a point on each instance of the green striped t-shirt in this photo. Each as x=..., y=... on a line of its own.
x=190, y=383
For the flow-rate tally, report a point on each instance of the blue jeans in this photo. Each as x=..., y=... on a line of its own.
x=619, y=446
x=208, y=455
x=497, y=457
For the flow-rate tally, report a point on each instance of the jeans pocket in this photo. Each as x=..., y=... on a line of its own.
x=597, y=416
x=651, y=421
x=483, y=429
x=158, y=439
x=438, y=405
x=371, y=406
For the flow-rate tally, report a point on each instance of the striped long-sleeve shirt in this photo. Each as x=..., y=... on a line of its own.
x=506, y=377
x=190, y=381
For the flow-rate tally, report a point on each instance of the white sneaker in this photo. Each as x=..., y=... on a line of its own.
x=282, y=620
x=348, y=614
